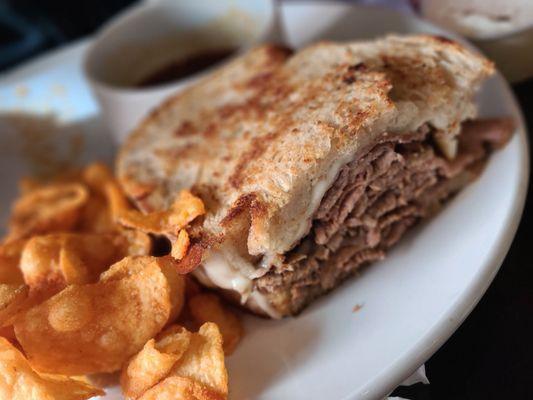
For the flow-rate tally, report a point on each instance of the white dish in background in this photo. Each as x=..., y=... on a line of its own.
x=411, y=302
x=146, y=37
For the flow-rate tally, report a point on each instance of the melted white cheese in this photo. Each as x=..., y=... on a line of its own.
x=260, y=301
x=217, y=272
x=220, y=273
x=318, y=191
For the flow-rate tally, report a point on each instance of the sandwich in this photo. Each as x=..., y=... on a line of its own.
x=313, y=164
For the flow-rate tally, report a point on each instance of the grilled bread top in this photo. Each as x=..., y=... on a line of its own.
x=261, y=139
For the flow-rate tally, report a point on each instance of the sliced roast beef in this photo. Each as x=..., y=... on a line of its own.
x=373, y=201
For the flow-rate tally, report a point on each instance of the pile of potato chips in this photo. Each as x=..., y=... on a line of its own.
x=81, y=294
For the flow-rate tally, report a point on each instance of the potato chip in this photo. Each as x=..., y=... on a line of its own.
x=13, y=298
x=51, y=262
x=51, y=208
x=104, y=380
x=27, y=184
x=186, y=320
x=191, y=260
x=180, y=245
x=96, y=251
x=73, y=270
x=203, y=361
x=132, y=265
x=18, y=381
x=9, y=333
x=118, y=202
x=196, y=359
x=177, y=287
x=63, y=250
x=184, y=210
x=9, y=261
x=173, y=340
x=138, y=243
x=145, y=370
x=96, y=216
x=96, y=176
x=95, y=328
x=192, y=288
x=40, y=265
x=136, y=189
x=178, y=388
x=154, y=361
x=206, y=307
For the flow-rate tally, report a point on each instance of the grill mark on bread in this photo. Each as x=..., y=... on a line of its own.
x=204, y=239
x=176, y=152
x=251, y=108
x=256, y=148
x=210, y=131
x=260, y=80
x=349, y=79
x=249, y=203
x=351, y=75
x=358, y=67
x=242, y=204
x=185, y=128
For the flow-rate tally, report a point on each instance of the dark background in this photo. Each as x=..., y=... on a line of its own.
x=491, y=354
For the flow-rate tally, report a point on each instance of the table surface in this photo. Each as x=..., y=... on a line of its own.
x=489, y=357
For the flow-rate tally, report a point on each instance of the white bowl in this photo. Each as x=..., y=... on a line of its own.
x=152, y=35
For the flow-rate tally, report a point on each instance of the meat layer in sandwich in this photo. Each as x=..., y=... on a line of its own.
x=374, y=200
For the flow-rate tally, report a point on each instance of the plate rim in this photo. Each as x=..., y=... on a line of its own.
x=421, y=350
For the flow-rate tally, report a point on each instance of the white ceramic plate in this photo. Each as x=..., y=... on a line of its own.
x=411, y=302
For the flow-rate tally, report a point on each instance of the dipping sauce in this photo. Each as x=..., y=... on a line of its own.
x=185, y=67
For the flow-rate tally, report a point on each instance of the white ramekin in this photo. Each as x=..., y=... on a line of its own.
x=148, y=36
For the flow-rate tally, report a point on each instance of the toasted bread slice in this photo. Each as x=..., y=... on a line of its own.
x=263, y=139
